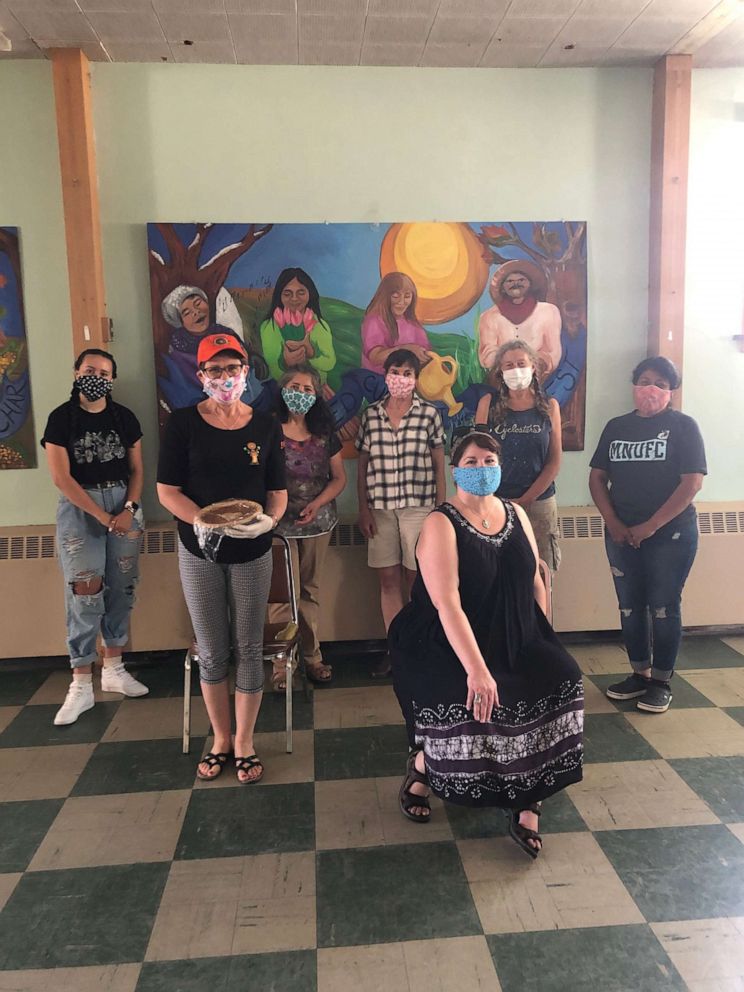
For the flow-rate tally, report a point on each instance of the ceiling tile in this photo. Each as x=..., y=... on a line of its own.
x=141, y=52
x=252, y=31
x=256, y=6
x=336, y=8
x=391, y=54
x=557, y=56
x=58, y=5
x=648, y=34
x=459, y=54
x=627, y=56
x=680, y=9
x=590, y=32
x=462, y=30
x=493, y=9
x=330, y=53
x=529, y=31
x=23, y=50
x=542, y=8
x=725, y=49
x=11, y=27
x=411, y=8
x=266, y=53
x=618, y=8
x=510, y=56
x=121, y=5
x=396, y=30
x=321, y=29
x=67, y=27
x=215, y=53
x=114, y=25
x=204, y=28
x=188, y=6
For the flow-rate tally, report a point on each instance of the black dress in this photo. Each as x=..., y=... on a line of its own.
x=533, y=747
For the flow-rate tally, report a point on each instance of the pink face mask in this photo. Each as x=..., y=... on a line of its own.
x=650, y=400
x=225, y=390
x=399, y=385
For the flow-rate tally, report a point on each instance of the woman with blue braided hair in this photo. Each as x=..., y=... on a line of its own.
x=493, y=703
x=93, y=449
x=315, y=477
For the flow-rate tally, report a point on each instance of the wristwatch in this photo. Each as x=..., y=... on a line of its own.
x=131, y=506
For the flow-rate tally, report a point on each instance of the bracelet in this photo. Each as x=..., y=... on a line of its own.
x=131, y=506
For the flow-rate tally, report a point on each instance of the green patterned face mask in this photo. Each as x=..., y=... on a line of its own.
x=298, y=402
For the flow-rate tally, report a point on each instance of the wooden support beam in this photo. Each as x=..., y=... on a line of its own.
x=670, y=141
x=80, y=197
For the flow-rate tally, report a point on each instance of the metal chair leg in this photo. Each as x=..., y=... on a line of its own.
x=288, y=697
x=187, y=700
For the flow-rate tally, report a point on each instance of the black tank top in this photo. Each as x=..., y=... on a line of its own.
x=525, y=439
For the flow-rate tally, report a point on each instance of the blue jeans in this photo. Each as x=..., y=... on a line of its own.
x=649, y=582
x=88, y=552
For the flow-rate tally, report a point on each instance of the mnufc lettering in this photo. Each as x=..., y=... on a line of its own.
x=502, y=430
x=654, y=450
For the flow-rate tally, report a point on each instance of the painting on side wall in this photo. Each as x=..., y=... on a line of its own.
x=17, y=444
x=321, y=294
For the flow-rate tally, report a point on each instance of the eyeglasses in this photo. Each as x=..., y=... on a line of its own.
x=219, y=371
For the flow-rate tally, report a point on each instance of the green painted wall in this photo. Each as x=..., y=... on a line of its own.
x=227, y=143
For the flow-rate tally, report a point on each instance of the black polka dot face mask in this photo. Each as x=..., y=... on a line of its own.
x=93, y=387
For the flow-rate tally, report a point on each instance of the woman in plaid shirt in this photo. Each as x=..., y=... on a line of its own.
x=400, y=479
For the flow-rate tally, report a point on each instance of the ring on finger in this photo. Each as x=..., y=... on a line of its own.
x=477, y=698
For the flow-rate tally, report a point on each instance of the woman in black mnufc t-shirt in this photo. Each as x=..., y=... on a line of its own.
x=93, y=449
x=647, y=468
x=222, y=449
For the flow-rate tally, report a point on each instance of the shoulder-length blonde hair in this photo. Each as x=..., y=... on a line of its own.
x=499, y=404
x=379, y=305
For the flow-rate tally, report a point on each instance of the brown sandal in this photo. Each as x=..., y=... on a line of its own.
x=318, y=672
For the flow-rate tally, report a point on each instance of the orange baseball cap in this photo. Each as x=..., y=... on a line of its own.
x=213, y=344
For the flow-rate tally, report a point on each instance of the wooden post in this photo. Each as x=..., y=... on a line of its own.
x=670, y=141
x=80, y=197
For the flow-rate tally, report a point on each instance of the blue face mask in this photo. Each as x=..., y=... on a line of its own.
x=481, y=480
x=298, y=402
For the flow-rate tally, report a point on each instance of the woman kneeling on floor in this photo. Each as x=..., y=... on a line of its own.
x=493, y=703
x=222, y=449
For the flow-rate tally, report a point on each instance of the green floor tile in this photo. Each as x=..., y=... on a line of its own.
x=736, y=713
x=718, y=781
x=34, y=726
x=559, y=815
x=360, y=752
x=249, y=819
x=84, y=916
x=685, y=695
x=381, y=894
x=16, y=688
x=139, y=766
x=680, y=873
x=609, y=737
x=613, y=959
x=707, y=652
x=272, y=716
x=23, y=826
x=290, y=971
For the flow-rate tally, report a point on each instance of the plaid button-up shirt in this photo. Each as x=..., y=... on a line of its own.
x=400, y=471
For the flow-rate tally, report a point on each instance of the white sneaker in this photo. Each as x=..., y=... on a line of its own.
x=115, y=678
x=79, y=699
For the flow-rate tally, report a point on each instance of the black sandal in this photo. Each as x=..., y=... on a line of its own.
x=407, y=800
x=215, y=759
x=245, y=765
x=520, y=834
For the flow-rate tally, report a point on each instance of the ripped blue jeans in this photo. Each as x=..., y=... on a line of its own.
x=649, y=582
x=88, y=552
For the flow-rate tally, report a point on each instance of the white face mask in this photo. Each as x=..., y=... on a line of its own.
x=518, y=378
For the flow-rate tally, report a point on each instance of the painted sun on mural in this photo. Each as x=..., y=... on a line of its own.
x=341, y=296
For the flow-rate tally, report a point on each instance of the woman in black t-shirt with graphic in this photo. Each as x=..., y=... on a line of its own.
x=646, y=471
x=223, y=449
x=93, y=449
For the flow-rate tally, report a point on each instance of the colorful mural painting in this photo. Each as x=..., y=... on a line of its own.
x=17, y=444
x=342, y=296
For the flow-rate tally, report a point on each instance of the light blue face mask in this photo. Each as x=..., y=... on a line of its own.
x=480, y=480
x=298, y=402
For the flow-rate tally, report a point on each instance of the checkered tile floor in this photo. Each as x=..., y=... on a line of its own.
x=121, y=873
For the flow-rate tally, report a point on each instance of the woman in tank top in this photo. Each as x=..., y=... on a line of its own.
x=528, y=425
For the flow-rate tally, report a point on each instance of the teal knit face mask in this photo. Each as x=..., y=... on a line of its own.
x=298, y=402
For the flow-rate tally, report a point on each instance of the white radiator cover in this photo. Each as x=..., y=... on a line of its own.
x=32, y=614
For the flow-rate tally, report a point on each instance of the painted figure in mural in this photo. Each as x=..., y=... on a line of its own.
x=492, y=701
x=390, y=322
x=647, y=469
x=186, y=309
x=518, y=291
x=528, y=425
x=400, y=478
x=95, y=457
x=223, y=449
x=315, y=477
x=294, y=332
